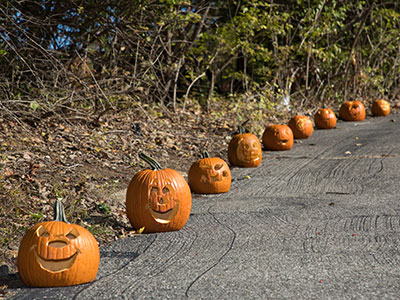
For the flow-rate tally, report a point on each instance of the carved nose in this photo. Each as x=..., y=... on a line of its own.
x=58, y=244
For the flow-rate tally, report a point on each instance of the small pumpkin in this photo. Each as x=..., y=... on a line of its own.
x=57, y=253
x=277, y=137
x=301, y=126
x=209, y=175
x=380, y=108
x=158, y=199
x=352, y=111
x=244, y=150
x=325, y=118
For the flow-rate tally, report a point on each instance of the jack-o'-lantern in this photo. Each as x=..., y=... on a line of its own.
x=325, y=118
x=301, y=126
x=158, y=199
x=57, y=253
x=277, y=137
x=352, y=111
x=209, y=175
x=244, y=150
x=380, y=108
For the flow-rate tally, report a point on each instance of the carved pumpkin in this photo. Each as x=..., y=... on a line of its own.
x=380, y=108
x=209, y=175
x=244, y=150
x=277, y=137
x=57, y=253
x=158, y=199
x=301, y=126
x=352, y=111
x=325, y=118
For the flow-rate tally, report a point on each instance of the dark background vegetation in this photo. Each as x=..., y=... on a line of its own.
x=86, y=84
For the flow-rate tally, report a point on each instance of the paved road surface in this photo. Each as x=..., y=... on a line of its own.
x=319, y=221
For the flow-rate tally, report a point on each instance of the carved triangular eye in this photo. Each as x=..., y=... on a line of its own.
x=218, y=166
x=255, y=145
x=205, y=167
x=154, y=190
x=72, y=234
x=42, y=232
x=165, y=191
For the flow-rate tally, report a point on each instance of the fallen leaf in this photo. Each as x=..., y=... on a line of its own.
x=8, y=172
x=28, y=156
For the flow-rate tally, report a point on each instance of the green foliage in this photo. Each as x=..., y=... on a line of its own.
x=164, y=51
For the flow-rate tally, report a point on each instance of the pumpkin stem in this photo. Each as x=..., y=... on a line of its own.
x=155, y=165
x=241, y=129
x=59, y=213
x=205, y=155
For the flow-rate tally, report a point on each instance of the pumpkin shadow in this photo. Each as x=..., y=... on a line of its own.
x=12, y=281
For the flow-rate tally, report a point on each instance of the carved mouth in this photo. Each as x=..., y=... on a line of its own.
x=284, y=141
x=58, y=265
x=215, y=178
x=252, y=157
x=165, y=217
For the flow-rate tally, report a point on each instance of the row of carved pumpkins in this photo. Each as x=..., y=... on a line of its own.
x=56, y=253
x=160, y=199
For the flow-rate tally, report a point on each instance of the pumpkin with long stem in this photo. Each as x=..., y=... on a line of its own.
x=244, y=150
x=57, y=253
x=209, y=175
x=158, y=199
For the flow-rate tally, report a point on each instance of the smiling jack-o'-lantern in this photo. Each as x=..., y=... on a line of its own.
x=380, y=108
x=57, y=253
x=209, y=175
x=158, y=199
x=352, y=111
x=278, y=137
x=325, y=118
x=301, y=126
x=244, y=150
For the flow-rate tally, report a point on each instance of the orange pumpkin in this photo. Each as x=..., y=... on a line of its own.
x=244, y=150
x=301, y=126
x=380, y=108
x=325, y=118
x=352, y=111
x=209, y=175
x=277, y=137
x=57, y=253
x=158, y=199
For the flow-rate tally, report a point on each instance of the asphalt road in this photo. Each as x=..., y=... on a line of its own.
x=319, y=221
